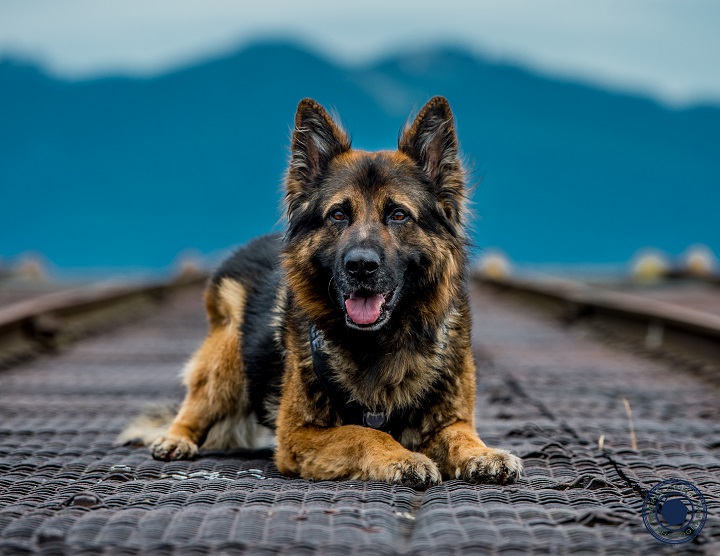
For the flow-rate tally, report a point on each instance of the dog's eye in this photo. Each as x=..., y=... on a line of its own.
x=337, y=215
x=398, y=215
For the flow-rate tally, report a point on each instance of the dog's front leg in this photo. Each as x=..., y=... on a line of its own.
x=462, y=455
x=352, y=452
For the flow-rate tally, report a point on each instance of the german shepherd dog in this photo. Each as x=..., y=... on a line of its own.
x=349, y=337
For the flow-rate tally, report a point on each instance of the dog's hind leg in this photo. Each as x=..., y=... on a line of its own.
x=214, y=377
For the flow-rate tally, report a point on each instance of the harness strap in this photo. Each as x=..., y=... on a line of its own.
x=351, y=412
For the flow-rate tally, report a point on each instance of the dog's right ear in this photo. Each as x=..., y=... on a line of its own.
x=316, y=140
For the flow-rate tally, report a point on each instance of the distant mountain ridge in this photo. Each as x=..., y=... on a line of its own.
x=120, y=172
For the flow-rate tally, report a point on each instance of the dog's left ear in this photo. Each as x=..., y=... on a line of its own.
x=316, y=140
x=431, y=141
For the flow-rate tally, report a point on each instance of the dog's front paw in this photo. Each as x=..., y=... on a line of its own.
x=491, y=466
x=416, y=470
x=168, y=448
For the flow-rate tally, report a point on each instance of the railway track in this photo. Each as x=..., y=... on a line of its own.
x=678, y=324
x=46, y=322
x=709, y=278
x=550, y=392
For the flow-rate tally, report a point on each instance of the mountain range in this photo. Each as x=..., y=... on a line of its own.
x=120, y=171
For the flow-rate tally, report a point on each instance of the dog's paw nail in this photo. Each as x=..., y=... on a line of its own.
x=417, y=471
x=169, y=448
x=495, y=466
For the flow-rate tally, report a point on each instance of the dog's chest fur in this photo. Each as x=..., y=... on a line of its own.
x=413, y=376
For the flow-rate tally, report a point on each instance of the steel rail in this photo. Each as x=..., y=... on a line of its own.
x=659, y=326
x=713, y=279
x=50, y=320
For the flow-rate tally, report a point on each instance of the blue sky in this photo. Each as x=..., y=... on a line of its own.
x=668, y=49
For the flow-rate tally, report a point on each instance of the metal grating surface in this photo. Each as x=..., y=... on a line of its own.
x=545, y=392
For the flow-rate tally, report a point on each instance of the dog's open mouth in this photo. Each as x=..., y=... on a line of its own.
x=367, y=309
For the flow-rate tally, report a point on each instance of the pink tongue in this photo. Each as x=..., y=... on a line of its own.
x=364, y=310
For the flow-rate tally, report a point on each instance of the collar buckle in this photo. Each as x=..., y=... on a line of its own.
x=374, y=420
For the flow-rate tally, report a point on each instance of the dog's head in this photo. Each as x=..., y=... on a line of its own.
x=374, y=235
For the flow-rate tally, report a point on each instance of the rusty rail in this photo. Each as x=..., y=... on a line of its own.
x=656, y=326
x=47, y=322
x=675, y=274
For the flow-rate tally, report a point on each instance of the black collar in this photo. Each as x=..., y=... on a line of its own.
x=350, y=411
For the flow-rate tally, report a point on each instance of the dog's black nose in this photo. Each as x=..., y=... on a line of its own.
x=361, y=261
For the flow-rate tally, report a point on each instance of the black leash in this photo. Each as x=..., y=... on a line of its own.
x=350, y=411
